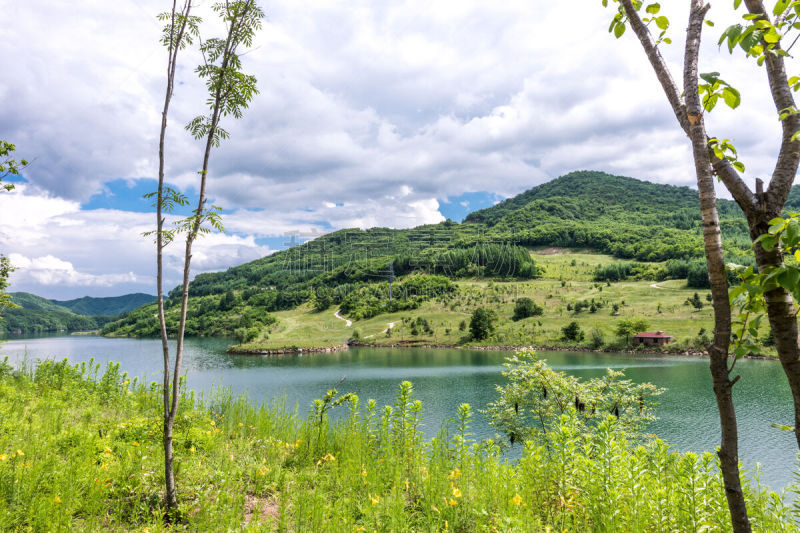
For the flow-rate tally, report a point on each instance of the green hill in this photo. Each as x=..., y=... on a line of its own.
x=39, y=315
x=109, y=306
x=655, y=229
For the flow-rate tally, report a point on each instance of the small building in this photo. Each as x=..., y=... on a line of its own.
x=652, y=338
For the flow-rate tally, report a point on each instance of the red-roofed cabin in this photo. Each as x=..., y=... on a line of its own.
x=652, y=338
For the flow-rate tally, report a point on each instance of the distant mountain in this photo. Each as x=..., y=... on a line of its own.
x=39, y=315
x=110, y=306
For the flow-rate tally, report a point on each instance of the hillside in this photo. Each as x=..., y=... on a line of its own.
x=653, y=231
x=39, y=315
x=109, y=306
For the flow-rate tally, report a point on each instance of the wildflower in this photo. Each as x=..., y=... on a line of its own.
x=213, y=423
x=360, y=528
x=20, y=453
x=374, y=499
x=3, y=457
x=231, y=457
x=456, y=492
x=192, y=449
x=240, y=424
x=106, y=450
x=363, y=471
x=433, y=508
x=57, y=499
x=454, y=474
x=103, y=466
x=407, y=484
x=136, y=443
x=450, y=501
x=516, y=500
x=261, y=472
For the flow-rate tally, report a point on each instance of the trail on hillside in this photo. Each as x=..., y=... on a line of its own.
x=340, y=317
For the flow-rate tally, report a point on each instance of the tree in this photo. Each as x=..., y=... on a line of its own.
x=631, y=326
x=760, y=38
x=572, y=332
x=230, y=91
x=526, y=307
x=482, y=323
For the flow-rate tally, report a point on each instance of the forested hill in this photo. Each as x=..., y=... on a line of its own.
x=108, y=306
x=620, y=216
x=39, y=315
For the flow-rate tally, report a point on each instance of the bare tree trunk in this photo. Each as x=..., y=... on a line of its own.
x=718, y=350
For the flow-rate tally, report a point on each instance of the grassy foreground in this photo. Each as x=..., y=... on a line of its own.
x=81, y=450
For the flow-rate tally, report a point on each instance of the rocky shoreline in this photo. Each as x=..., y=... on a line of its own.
x=234, y=350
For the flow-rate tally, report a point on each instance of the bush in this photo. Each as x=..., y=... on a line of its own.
x=526, y=307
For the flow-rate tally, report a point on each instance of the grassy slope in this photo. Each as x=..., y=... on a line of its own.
x=303, y=327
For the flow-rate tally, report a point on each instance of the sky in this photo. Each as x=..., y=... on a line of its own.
x=376, y=113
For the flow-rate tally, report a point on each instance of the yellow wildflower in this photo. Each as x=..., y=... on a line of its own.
x=456, y=492
x=407, y=484
x=517, y=499
x=213, y=423
x=231, y=457
x=106, y=450
x=240, y=424
x=374, y=499
x=57, y=499
x=3, y=457
x=433, y=508
x=192, y=449
x=451, y=501
x=103, y=466
x=20, y=453
x=360, y=528
x=136, y=443
x=455, y=473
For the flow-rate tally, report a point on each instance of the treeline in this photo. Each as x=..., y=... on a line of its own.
x=373, y=299
x=694, y=271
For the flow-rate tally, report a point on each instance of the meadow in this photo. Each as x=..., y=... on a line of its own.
x=566, y=280
x=80, y=449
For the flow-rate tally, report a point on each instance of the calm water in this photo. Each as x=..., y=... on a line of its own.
x=445, y=378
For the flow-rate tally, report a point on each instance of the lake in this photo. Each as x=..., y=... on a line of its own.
x=445, y=378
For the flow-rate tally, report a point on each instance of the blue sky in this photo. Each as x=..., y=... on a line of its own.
x=369, y=114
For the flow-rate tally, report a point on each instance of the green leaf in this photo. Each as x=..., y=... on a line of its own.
x=736, y=4
x=772, y=36
x=619, y=29
x=789, y=278
x=662, y=22
x=768, y=243
x=709, y=23
x=738, y=165
x=732, y=97
x=710, y=77
x=783, y=427
x=653, y=8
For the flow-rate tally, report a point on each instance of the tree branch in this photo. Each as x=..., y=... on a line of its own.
x=789, y=155
x=658, y=64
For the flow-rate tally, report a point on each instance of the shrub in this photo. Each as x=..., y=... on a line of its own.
x=526, y=307
x=482, y=323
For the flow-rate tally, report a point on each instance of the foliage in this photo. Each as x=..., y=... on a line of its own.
x=631, y=326
x=80, y=450
x=572, y=332
x=482, y=323
x=536, y=398
x=525, y=308
x=108, y=306
x=8, y=165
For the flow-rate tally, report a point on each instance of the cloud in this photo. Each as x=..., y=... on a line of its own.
x=369, y=114
x=61, y=251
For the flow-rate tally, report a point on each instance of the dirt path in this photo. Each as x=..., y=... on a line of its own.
x=389, y=326
x=340, y=317
x=655, y=286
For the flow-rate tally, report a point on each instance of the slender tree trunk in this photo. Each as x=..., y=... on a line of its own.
x=718, y=350
x=170, y=497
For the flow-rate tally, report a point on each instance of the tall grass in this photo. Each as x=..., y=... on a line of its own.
x=80, y=450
